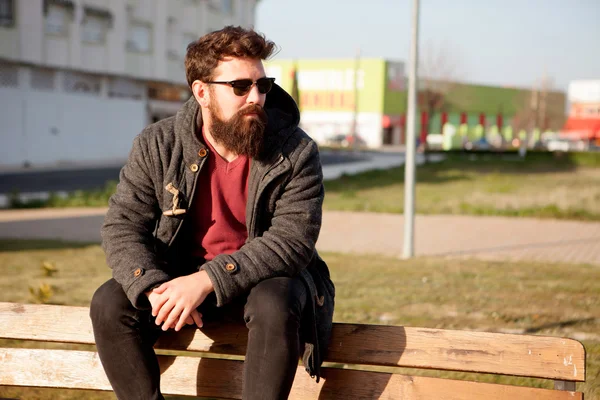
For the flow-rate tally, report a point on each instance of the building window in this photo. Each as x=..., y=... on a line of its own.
x=42, y=79
x=7, y=10
x=9, y=75
x=139, y=37
x=227, y=7
x=57, y=19
x=125, y=88
x=188, y=38
x=172, y=35
x=94, y=30
x=168, y=92
x=96, y=23
x=214, y=4
x=75, y=82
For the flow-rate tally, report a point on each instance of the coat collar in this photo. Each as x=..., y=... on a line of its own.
x=281, y=109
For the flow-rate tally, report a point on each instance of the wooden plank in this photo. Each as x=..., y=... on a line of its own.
x=47, y=323
x=194, y=376
x=521, y=355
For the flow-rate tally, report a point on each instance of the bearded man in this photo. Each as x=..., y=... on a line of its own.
x=215, y=218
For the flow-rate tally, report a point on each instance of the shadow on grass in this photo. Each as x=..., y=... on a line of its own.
x=559, y=324
x=465, y=166
x=40, y=244
x=535, y=162
x=392, y=176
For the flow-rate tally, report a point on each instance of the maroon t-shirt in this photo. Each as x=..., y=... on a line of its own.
x=219, y=206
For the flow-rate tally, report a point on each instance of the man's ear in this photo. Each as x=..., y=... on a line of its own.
x=201, y=93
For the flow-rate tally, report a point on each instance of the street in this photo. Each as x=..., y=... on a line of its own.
x=67, y=180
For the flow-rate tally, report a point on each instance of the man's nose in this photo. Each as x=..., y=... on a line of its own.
x=255, y=97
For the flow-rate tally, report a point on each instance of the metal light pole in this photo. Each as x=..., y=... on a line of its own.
x=409, y=165
x=354, y=128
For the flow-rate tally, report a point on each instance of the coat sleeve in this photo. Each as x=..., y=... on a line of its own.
x=127, y=233
x=288, y=245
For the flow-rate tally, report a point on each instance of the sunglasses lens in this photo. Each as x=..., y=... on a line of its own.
x=264, y=85
x=241, y=87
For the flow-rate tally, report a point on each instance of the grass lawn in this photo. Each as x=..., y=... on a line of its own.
x=556, y=300
x=541, y=186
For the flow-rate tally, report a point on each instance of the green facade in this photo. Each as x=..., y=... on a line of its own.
x=377, y=96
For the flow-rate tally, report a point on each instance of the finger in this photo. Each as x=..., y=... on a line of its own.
x=185, y=314
x=161, y=288
x=189, y=321
x=158, y=304
x=197, y=317
x=172, y=318
x=164, y=312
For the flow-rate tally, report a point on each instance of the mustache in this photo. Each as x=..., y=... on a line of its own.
x=254, y=109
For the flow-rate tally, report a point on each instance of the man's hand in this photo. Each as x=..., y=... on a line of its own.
x=194, y=318
x=175, y=302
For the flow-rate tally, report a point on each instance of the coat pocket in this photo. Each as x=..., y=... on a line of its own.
x=323, y=279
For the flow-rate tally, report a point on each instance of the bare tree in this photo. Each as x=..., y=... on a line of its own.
x=525, y=116
x=437, y=77
x=541, y=108
x=553, y=112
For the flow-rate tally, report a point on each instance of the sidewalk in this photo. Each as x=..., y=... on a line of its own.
x=493, y=238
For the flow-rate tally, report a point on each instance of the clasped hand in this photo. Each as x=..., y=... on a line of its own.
x=175, y=303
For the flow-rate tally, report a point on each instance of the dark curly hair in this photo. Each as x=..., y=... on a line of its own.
x=204, y=54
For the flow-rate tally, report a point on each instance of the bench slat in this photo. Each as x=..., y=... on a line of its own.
x=521, y=355
x=194, y=376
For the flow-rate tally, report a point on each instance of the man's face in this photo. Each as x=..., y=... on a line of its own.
x=237, y=122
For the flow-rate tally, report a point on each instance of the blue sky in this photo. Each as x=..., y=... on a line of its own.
x=508, y=42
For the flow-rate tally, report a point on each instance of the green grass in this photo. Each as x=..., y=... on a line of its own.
x=79, y=198
x=546, y=299
x=542, y=186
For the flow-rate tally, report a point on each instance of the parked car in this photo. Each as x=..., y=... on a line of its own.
x=343, y=140
x=564, y=144
x=558, y=145
x=481, y=144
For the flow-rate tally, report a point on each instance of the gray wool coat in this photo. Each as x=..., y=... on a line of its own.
x=145, y=231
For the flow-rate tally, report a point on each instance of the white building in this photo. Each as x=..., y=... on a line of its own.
x=80, y=78
x=583, y=124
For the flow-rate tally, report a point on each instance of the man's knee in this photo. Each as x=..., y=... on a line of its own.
x=108, y=304
x=276, y=302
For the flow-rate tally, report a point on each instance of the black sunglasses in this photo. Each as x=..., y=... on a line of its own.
x=242, y=86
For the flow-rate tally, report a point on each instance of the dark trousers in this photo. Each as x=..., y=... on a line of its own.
x=272, y=312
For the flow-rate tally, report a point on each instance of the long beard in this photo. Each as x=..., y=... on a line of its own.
x=241, y=134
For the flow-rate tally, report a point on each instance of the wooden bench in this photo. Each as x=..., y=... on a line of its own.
x=558, y=359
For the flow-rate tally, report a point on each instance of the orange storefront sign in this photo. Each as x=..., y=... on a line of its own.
x=327, y=100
